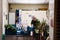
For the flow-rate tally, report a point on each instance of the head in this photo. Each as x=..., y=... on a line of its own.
x=34, y=18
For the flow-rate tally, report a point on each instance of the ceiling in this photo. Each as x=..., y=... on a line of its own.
x=29, y=1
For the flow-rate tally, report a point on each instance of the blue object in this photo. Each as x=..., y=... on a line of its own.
x=20, y=32
x=17, y=12
x=9, y=32
x=30, y=15
x=29, y=29
x=14, y=25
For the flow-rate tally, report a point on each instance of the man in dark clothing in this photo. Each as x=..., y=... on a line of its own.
x=36, y=24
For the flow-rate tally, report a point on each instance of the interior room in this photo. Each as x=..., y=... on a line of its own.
x=28, y=20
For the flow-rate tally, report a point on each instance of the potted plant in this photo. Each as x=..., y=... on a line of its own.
x=9, y=30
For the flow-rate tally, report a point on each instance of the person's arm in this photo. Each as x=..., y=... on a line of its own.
x=32, y=22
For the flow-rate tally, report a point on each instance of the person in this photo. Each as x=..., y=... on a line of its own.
x=35, y=22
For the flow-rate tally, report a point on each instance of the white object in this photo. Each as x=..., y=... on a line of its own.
x=31, y=33
x=11, y=18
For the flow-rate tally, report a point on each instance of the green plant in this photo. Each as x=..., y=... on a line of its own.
x=9, y=27
x=43, y=22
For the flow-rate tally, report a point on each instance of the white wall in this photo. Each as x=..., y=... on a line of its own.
x=51, y=10
x=5, y=12
x=26, y=19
